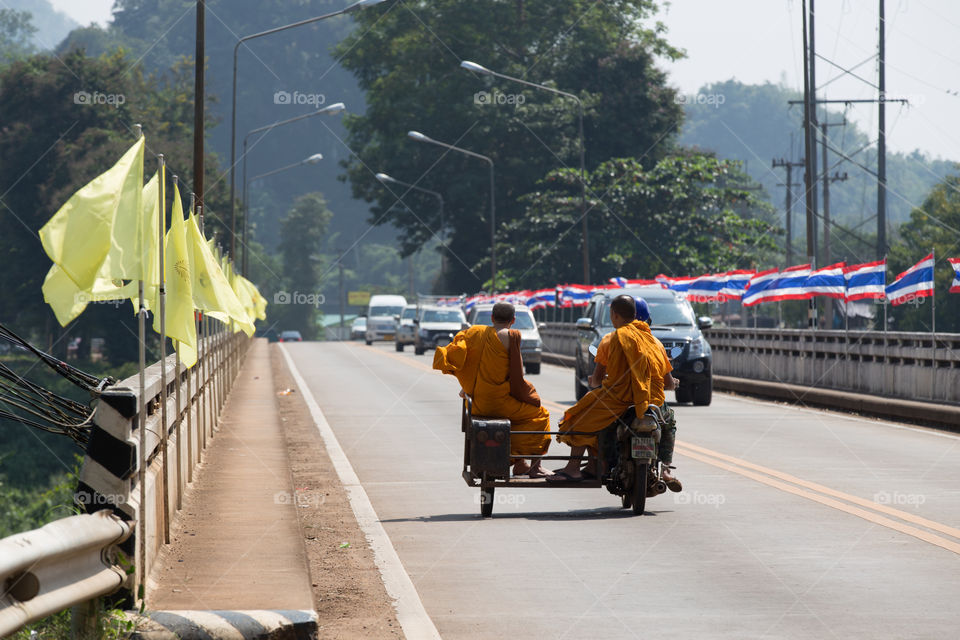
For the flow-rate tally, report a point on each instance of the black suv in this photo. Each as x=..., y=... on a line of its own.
x=672, y=321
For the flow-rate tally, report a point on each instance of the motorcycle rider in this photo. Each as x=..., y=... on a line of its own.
x=630, y=370
x=662, y=380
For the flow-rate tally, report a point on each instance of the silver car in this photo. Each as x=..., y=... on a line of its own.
x=531, y=346
x=406, y=329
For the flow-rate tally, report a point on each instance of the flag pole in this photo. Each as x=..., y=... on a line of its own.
x=189, y=396
x=142, y=423
x=162, y=314
x=933, y=309
x=176, y=390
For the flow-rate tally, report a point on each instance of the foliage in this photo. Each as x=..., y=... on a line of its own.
x=688, y=214
x=301, y=236
x=935, y=225
x=60, y=132
x=756, y=123
x=407, y=58
x=16, y=30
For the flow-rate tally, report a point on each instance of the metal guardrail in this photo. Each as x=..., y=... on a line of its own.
x=61, y=564
x=908, y=366
x=138, y=502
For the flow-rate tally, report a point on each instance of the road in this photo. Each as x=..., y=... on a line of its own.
x=794, y=523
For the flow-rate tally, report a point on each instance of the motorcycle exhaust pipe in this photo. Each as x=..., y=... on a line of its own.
x=660, y=487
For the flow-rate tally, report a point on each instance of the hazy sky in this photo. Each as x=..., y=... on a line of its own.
x=760, y=40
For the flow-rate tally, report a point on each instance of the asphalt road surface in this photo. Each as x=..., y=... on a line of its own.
x=793, y=522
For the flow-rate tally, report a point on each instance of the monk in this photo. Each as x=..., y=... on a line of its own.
x=489, y=366
x=628, y=383
x=663, y=380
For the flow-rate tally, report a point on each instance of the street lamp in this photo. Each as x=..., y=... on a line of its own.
x=233, y=115
x=477, y=68
x=419, y=137
x=382, y=177
x=333, y=109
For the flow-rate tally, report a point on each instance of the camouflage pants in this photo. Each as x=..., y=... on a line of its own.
x=668, y=436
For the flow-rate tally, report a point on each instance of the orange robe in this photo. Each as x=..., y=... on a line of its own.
x=628, y=383
x=482, y=365
x=657, y=354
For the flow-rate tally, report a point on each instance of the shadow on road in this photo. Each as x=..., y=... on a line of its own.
x=600, y=513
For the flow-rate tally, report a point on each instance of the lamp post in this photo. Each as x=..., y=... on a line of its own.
x=333, y=109
x=419, y=137
x=477, y=68
x=233, y=114
x=382, y=177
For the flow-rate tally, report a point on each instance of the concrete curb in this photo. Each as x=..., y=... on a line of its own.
x=225, y=625
x=925, y=413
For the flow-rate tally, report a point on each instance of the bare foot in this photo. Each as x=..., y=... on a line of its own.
x=537, y=471
x=521, y=468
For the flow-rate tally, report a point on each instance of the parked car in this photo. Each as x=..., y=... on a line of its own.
x=381, y=317
x=672, y=321
x=290, y=336
x=358, y=330
x=436, y=327
x=406, y=329
x=531, y=346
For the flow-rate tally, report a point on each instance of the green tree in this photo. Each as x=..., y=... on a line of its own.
x=301, y=238
x=688, y=214
x=16, y=30
x=407, y=61
x=52, y=143
x=935, y=225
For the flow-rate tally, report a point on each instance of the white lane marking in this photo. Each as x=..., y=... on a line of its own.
x=411, y=613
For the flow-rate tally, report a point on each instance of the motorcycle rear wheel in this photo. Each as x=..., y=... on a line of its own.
x=638, y=497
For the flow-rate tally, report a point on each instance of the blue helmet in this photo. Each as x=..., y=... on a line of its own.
x=643, y=311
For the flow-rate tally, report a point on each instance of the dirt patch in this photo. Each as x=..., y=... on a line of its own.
x=348, y=592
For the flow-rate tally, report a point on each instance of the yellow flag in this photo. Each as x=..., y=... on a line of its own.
x=212, y=292
x=102, y=217
x=68, y=300
x=180, y=324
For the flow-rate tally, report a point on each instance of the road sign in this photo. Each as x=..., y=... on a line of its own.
x=358, y=298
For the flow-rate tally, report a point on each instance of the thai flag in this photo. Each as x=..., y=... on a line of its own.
x=735, y=283
x=706, y=288
x=955, y=263
x=575, y=295
x=624, y=282
x=541, y=299
x=790, y=284
x=675, y=284
x=758, y=289
x=915, y=282
x=867, y=281
x=827, y=281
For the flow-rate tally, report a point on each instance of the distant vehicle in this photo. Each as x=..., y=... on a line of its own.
x=381, y=317
x=531, y=346
x=436, y=327
x=358, y=330
x=290, y=336
x=406, y=329
x=672, y=321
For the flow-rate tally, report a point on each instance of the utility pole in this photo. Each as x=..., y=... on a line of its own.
x=813, y=124
x=808, y=174
x=789, y=184
x=827, y=179
x=882, y=141
x=198, y=99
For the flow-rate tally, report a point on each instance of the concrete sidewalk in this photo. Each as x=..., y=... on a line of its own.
x=237, y=543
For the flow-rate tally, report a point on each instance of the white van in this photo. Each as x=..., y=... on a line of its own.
x=381, y=321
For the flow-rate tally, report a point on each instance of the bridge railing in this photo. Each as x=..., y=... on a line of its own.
x=894, y=364
x=142, y=500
